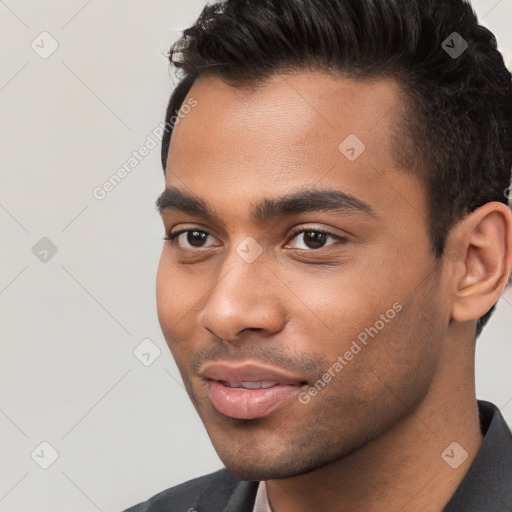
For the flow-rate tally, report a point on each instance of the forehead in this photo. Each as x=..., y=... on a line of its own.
x=296, y=130
x=300, y=102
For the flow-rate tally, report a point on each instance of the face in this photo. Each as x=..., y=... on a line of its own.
x=298, y=294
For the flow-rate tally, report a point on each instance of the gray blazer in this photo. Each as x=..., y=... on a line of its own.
x=216, y=492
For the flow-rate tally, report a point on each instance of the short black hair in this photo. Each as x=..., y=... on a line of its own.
x=456, y=133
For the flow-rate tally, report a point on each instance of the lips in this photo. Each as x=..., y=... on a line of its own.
x=249, y=391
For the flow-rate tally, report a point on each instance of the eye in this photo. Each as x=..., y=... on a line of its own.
x=194, y=238
x=314, y=239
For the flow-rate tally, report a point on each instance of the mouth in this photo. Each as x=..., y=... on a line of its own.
x=264, y=384
x=250, y=391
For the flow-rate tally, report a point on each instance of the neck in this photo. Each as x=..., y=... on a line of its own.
x=403, y=469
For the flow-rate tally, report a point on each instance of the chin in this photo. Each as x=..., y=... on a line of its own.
x=258, y=466
x=258, y=473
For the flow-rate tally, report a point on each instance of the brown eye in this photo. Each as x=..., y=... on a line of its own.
x=194, y=238
x=314, y=239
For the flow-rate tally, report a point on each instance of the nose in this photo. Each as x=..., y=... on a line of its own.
x=247, y=296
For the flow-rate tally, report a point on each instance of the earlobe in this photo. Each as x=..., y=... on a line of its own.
x=484, y=257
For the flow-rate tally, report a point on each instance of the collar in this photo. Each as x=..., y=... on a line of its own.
x=487, y=485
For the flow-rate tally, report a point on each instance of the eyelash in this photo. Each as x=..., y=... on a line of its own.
x=173, y=236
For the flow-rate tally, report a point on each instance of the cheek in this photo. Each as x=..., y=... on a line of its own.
x=372, y=319
x=173, y=298
x=334, y=307
x=179, y=297
x=175, y=288
x=166, y=296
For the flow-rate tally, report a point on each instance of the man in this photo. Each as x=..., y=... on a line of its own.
x=337, y=237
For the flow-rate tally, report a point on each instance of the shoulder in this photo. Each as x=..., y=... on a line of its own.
x=218, y=486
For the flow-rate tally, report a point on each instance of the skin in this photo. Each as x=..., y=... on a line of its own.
x=372, y=439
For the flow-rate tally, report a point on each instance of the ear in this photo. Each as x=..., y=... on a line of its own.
x=479, y=250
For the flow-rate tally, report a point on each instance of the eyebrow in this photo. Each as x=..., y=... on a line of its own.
x=302, y=201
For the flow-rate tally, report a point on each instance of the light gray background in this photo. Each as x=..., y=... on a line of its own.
x=68, y=326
